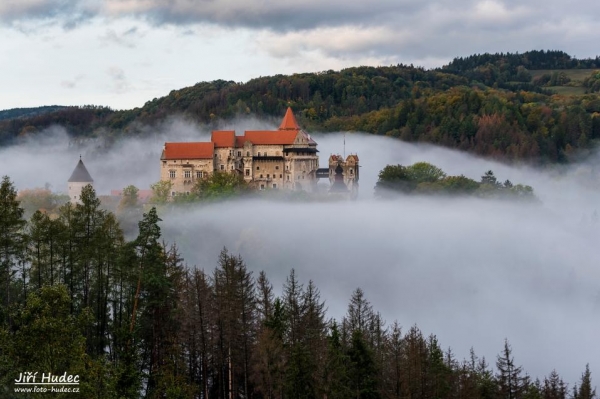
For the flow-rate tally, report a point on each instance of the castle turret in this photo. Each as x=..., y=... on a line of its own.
x=78, y=180
x=343, y=174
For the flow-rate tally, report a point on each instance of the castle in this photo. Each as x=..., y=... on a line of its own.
x=285, y=158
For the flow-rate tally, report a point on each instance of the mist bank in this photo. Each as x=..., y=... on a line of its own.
x=471, y=271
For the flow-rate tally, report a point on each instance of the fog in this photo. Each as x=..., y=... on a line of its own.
x=471, y=271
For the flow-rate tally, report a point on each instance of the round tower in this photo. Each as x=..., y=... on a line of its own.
x=78, y=180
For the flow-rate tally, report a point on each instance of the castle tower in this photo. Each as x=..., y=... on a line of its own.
x=343, y=174
x=78, y=180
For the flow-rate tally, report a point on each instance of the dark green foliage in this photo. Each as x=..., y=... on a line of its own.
x=362, y=369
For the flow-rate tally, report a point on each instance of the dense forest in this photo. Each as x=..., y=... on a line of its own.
x=132, y=320
x=506, y=106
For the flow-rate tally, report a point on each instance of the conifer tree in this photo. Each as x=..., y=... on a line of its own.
x=510, y=379
x=11, y=236
x=362, y=371
x=586, y=391
x=235, y=314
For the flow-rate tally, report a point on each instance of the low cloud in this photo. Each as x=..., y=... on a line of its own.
x=471, y=271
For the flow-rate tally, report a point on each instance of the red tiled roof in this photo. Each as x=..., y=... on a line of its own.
x=289, y=121
x=188, y=151
x=239, y=141
x=223, y=138
x=281, y=137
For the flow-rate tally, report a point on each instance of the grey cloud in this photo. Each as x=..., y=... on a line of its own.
x=282, y=15
x=124, y=39
x=119, y=81
x=68, y=13
x=383, y=31
x=71, y=84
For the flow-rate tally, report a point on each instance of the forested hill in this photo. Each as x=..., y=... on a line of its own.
x=15, y=113
x=540, y=106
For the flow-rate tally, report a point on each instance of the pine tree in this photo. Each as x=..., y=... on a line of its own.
x=362, y=372
x=510, y=380
x=554, y=387
x=335, y=383
x=585, y=390
x=235, y=316
x=11, y=237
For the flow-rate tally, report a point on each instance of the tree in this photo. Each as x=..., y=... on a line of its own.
x=49, y=339
x=129, y=198
x=423, y=172
x=11, y=235
x=510, y=380
x=360, y=314
x=362, y=369
x=393, y=178
x=489, y=178
x=161, y=192
x=335, y=382
x=585, y=390
x=235, y=315
x=554, y=387
x=220, y=185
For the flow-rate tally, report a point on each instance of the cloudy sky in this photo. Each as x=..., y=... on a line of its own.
x=122, y=53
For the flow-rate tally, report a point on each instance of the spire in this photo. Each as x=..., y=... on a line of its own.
x=80, y=174
x=289, y=121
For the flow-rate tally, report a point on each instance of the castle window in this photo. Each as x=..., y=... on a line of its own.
x=262, y=186
x=172, y=174
x=222, y=167
x=247, y=172
x=258, y=168
x=261, y=176
x=280, y=176
x=288, y=177
x=247, y=153
x=259, y=154
x=274, y=185
x=239, y=153
x=276, y=167
x=268, y=175
x=351, y=171
x=199, y=174
x=187, y=174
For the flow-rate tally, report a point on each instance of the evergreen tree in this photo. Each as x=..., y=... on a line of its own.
x=11, y=237
x=510, y=379
x=362, y=370
x=585, y=390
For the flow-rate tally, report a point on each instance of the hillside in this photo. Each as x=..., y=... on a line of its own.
x=540, y=106
x=16, y=113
